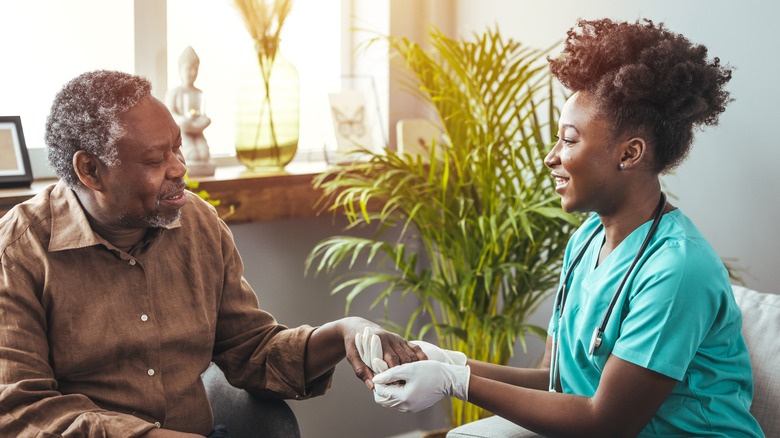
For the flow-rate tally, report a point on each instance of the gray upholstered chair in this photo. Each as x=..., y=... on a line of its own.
x=244, y=415
x=760, y=327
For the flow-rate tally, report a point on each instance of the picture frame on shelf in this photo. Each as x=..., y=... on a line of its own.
x=356, y=122
x=15, y=170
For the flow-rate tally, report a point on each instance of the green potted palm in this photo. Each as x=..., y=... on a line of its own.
x=482, y=233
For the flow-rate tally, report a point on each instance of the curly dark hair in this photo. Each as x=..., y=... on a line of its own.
x=647, y=79
x=85, y=116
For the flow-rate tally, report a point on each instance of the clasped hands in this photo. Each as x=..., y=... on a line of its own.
x=412, y=387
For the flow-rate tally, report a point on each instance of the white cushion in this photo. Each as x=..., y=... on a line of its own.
x=761, y=329
x=491, y=427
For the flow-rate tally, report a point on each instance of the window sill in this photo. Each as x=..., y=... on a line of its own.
x=252, y=197
x=263, y=197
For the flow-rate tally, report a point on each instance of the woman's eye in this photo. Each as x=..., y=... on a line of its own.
x=565, y=140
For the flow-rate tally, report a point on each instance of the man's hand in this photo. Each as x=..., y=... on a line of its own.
x=388, y=348
x=416, y=386
x=370, y=349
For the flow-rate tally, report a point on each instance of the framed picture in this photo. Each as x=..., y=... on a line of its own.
x=355, y=118
x=14, y=162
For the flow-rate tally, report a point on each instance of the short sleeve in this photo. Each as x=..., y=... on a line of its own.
x=671, y=308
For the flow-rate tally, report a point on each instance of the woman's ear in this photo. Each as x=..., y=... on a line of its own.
x=634, y=153
x=88, y=169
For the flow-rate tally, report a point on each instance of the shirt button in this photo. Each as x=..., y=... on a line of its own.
x=144, y=318
x=132, y=262
x=157, y=424
x=150, y=372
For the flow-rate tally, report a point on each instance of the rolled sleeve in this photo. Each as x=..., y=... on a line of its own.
x=275, y=368
x=287, y=361
x=254, y=351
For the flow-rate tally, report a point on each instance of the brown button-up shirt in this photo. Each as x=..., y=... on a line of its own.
x=95, y=341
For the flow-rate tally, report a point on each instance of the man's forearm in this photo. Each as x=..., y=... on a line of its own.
x=325, y=349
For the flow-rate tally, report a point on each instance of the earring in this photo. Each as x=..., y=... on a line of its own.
x=622, y=165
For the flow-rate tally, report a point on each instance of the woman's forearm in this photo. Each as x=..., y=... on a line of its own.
x=526, y=377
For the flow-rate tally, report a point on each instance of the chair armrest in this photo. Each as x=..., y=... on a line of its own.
x=247, y=416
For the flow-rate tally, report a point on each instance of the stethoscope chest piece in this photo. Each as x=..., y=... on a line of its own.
x=595, y=341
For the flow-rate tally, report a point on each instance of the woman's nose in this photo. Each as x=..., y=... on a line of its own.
x=552, y=157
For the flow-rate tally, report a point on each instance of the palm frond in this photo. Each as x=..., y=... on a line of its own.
x=482, y=232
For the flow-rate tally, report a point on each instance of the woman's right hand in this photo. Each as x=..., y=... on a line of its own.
x=415, y=386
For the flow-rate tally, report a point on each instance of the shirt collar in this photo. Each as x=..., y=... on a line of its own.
x=70, y=228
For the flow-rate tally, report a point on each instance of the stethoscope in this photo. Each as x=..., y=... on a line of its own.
x=560, y=297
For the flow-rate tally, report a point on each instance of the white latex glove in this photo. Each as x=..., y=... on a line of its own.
x=415, y=386
x=369, y=347
x=441, y=355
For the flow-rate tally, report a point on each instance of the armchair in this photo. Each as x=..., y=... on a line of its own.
x=244, y=415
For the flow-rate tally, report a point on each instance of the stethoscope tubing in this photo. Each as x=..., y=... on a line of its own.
x=560, y=296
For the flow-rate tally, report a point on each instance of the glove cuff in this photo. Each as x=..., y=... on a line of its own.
x=461, y=375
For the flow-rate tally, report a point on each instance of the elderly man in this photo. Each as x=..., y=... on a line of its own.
x=119, y=287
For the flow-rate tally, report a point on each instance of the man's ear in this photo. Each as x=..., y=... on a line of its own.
x=88, y=168
x=634, y=152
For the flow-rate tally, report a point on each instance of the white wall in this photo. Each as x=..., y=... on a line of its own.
x=729, y=183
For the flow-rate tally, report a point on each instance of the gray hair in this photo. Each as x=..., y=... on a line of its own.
x=85, y=116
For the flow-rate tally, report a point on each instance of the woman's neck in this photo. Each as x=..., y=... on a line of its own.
x=631, y=216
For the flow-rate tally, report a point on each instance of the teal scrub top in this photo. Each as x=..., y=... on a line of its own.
x=676, y=316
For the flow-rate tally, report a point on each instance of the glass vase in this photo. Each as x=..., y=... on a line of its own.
x=268, y=112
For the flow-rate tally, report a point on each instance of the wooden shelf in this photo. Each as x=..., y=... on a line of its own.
x=10, y=197
x=262, y=197
x=255, y=197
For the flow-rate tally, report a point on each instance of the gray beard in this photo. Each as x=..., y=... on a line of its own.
x=159, y=221
x=153, y=220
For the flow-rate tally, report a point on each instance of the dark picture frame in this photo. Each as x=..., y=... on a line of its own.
x=15, y=170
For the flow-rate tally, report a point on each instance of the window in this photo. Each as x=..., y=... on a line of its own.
x=48, y=42
x=311, y=40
